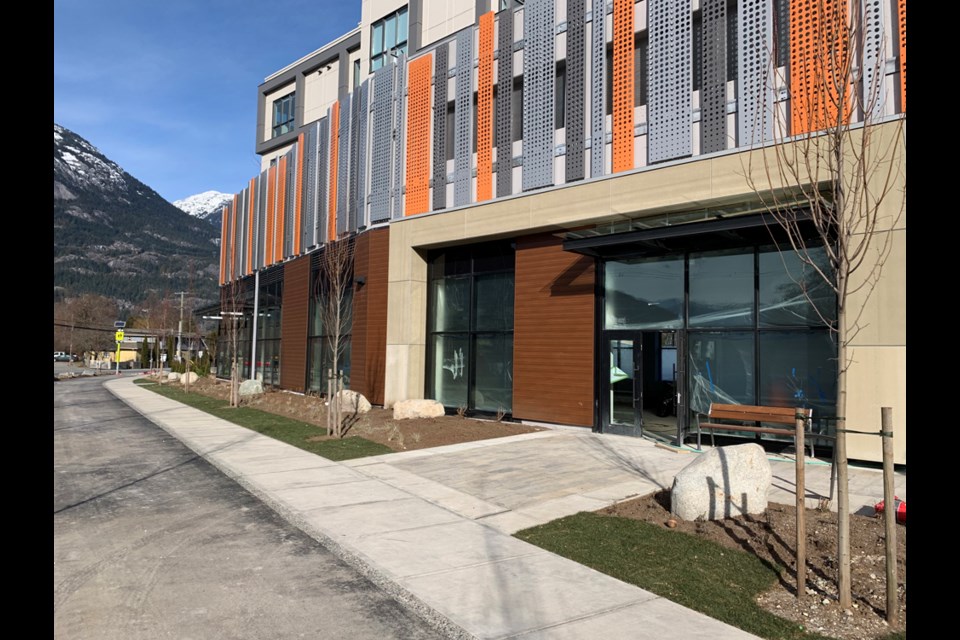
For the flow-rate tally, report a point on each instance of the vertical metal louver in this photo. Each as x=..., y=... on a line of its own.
x=463, y=118
x=755, y=91
x=670, y=50
x=574, y=94
x=504, y=115
x=598, y=79
x=539, y=71
x=713, y=89
x=381, y=151
x=400, y=89
x=440, y=127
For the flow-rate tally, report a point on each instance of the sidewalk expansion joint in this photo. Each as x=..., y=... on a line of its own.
x=586, y=616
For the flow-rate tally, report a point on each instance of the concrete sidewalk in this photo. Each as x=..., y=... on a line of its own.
x=432, y=527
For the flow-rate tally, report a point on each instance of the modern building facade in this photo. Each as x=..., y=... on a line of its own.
x=560, y=210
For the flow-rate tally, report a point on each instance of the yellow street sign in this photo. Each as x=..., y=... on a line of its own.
x=120, y=335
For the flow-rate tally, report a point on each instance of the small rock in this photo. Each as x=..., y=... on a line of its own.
x=873, y=576
x=826, y=601
x=847, y=612
x=672, y=523
x=810, y=591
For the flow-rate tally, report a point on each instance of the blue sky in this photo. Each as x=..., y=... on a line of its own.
x=167, y=89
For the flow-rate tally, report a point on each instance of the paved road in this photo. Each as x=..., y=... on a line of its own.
x=150, y=541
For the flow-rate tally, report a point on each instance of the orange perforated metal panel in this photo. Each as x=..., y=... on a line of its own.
x=298, y=203
x=281, y=209
x=623, y=85
x=902, y=21
x=223, y=244
x=332, y=208
x=485, y=110
x=819, y=65
x=271, y=193
x=418, y=135
x=251, y=224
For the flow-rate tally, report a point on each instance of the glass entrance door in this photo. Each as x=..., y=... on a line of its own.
x=644, y=375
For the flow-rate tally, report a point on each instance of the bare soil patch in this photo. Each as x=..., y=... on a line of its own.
x=772, y=538
x=377, y=425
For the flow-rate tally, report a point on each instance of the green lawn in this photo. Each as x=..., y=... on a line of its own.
x=701, y=575
x=287, y=430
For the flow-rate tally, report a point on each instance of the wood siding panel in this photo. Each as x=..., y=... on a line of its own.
x=553, y=333
x=368, y=350
x=293, y=324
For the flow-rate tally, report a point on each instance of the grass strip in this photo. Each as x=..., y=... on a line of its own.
x=293, y=432
x=695, y=573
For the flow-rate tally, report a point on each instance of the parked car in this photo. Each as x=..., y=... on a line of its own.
x=62, y=357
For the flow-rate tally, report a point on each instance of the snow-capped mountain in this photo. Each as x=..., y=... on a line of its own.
x=115, y=236
x=206, y=206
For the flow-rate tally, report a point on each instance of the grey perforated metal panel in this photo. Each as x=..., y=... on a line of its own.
x=353, y=196
x=574, y=94
x=359, y=218
x=504, y=113
x=781, y=29
x=873, y=59
x=380, y=150
x=323, y=178
x=539, y=31
x=343, y=164
x=669, y=126
x=713, y=88
x=598, y=79
x=755, y=95
x=399, y=148
x=261, y=219
x=290, y=202
x=308, y=187
x=463, y=119
x=440, y=127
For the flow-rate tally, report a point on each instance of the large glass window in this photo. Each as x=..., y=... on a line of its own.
x=792, y=291
x=470, y=325
x=284, y=114
x=320, y=349
x=722, y=289
x=388, y=36
x=644, y=293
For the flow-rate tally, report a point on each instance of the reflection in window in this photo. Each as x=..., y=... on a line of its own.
x=644, y=293
x=721, y=289
x=284, y=114
x=721, y=369
x=388, y=37
x=793, y=293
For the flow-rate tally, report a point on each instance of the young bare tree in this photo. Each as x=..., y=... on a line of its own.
x=231, y=305
x=833, y=180
x=333, y=297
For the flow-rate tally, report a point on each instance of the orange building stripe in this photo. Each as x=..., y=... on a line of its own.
x=334, y=147
x=281, y=210
x=623, y=98
x=819, y=63
x=223, y=244
x=271, y=198
x=298, y=202
x=251, y=222
x=902, y=19
x=418, y=135
x=485, y=109
x=233, y=238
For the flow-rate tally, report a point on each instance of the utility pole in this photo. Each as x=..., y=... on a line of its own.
x=180, y=325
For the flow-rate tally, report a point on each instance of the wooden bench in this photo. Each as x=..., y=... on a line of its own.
x=744, y=417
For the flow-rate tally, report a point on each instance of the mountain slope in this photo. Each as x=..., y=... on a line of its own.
x=115, y=236
x=207, y=206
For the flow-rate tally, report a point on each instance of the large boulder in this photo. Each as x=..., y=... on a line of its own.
x=188, y=378
x=251, y=388
x=173, y=376
x=405, y=409
x=722, y=483
x=353, y=402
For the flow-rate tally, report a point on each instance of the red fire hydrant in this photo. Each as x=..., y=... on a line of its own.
x=899, y=505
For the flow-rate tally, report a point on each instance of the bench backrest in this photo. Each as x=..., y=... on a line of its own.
x=750, y=413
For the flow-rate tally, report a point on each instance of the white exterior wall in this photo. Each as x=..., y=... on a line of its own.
x=320, y=91
x=440, y=19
